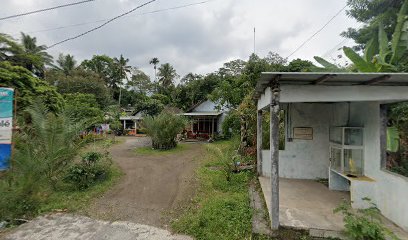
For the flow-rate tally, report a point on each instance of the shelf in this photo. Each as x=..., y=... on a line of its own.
x=358, y=178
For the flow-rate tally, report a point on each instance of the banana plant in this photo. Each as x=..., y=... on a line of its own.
x=380, y=55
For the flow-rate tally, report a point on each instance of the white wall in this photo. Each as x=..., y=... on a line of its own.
x=389, y=191
x=308, y=159
x=305, y=159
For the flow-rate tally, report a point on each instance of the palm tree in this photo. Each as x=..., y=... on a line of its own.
x=123, y=69
x=154, y=61
x=9, y=48
x=36, y=56
x=167, y=74
x=66, y=63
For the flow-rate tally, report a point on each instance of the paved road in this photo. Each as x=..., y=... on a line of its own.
x=71, y=227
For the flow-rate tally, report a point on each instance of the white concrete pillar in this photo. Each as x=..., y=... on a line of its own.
x=259, y=143
x=274, y=153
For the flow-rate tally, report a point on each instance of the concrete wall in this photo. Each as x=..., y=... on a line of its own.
x=308, y=159
x=389, y=191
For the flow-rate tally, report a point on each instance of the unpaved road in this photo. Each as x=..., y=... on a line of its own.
x=136, y=207
x=152, y=184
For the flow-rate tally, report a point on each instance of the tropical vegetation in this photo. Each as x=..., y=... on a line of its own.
x=163, y=129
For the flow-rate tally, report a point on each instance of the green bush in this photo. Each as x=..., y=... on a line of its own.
x=163, y=129
x=231, y=125
x=90, y=170
x=364, y=224
x=45, y=146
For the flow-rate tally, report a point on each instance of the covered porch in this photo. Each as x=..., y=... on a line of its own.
x=316, y=106
x=203, y=125
x=131, y=125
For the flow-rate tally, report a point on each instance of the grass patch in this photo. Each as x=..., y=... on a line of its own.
x=221, y=209
x=151, y=151
x=41, y=197
x=73, y=200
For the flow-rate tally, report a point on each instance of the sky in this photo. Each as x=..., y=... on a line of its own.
x=198, y=38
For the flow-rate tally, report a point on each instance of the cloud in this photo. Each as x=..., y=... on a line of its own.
x=193, y=39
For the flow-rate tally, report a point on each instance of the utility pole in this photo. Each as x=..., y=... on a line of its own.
x=254, y=41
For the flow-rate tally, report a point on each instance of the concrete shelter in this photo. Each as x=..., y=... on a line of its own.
x=335, y=128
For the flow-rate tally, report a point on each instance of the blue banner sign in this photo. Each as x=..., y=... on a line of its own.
x=6, y=126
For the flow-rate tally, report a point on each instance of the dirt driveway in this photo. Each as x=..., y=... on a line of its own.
x=152, y=186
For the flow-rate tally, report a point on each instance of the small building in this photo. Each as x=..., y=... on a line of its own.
x=335, y=127
x=131, y=123
x=206, y=120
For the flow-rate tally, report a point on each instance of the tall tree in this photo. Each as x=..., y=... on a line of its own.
x=382, y=54
x=154, y=61
x=104, y=66
x=29, y=87
x=66, y=63
x=167, y=75
x=370, y=13
x=80, y=81
x=123, y=69
x=140, y=82
x=25, y=54
x=37, y=53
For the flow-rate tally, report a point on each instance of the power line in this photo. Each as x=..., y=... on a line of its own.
x=45, y=9
x=102, y=25
x=106, y=19
x=317, y=32
x=335, y=48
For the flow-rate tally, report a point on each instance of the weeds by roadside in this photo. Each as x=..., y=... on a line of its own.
x=45, y=153
x=364, y=224
x=221, y=208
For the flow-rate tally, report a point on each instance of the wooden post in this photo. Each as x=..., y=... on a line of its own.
x=274, y=152
x=212, y=127
x=198, y=126
x=259, y=143
x=135, y=127
x=124, y=124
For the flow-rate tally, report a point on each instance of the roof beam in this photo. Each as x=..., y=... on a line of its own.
x=377, y=80
x=324, y=78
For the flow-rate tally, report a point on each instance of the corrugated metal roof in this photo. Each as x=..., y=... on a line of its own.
x=130, y=118
x=202, y=114
x=333, y=78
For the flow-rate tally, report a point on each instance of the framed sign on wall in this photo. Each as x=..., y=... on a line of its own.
x=303, y=133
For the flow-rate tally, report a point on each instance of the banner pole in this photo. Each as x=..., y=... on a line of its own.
x=14, y=129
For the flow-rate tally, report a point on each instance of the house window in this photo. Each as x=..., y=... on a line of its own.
x=394, y=137
x=266, y=127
